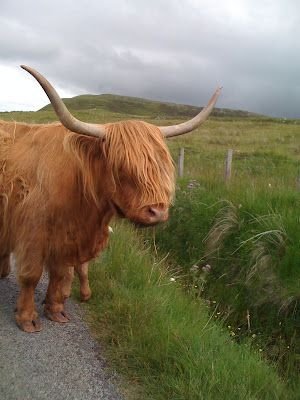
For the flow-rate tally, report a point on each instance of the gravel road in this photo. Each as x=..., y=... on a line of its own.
x=61, y=362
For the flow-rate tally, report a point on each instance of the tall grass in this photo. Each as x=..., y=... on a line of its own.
x=248, y=230
x=163, y=341
x=251, y=245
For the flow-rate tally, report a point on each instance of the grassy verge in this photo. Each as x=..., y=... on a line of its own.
x=239, y=250
x=164, y=341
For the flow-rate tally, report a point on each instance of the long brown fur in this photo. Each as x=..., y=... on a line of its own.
x=56, y=188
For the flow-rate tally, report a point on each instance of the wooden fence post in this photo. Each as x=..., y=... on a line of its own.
x=181, y=162
x=228, y=163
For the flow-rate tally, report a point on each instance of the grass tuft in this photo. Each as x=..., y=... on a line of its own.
x=226, y=221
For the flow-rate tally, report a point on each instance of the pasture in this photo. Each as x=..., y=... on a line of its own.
x=212, y=304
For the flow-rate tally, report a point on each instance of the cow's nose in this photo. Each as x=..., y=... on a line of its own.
x=157, y=214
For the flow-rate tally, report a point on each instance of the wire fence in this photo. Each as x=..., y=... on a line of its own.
x=235, y=164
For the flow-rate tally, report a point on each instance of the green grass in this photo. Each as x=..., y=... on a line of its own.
x=252, y=244
x=265, y=152
x=163, y=341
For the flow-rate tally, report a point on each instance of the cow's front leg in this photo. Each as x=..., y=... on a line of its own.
x=26, y=314
x=54, y=302
x=82, y=271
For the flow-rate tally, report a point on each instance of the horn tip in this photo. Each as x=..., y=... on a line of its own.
x=25, y=67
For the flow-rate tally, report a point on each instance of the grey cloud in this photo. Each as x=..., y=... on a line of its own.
x=169, y=50
x=19, y=41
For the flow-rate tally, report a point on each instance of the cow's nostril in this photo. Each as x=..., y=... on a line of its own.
x=153, y=212
x=157, y=214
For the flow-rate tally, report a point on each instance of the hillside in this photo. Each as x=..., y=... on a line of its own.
x=141, y=107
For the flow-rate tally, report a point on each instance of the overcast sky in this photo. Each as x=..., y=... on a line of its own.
x=171, y=50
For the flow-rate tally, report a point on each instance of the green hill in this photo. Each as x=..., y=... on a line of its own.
x=141, y=107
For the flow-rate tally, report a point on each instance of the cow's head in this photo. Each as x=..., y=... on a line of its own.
x=141, y=169
x=139, y=166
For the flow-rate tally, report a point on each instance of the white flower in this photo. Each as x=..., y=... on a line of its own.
x=194, y=268
x=172, y=279
x=110, y=229
x=206, y=268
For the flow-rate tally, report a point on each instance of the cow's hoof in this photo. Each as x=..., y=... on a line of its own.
x=85, y=296
x=61, y=316
x=30, y=326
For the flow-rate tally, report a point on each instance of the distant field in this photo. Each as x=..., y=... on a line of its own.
x=247, y=231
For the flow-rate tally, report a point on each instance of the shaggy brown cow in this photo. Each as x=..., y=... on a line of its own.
x=61, y=183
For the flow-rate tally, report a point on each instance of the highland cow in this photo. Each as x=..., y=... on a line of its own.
x=60, y=185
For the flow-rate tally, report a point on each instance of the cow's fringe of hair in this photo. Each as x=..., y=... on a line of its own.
x=134, y=149
x=138, y=149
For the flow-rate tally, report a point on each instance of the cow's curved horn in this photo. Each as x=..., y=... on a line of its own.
x=64, y=115
x=188, y=126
